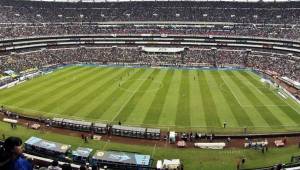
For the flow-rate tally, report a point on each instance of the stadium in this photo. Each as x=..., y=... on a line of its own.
x=88, y=84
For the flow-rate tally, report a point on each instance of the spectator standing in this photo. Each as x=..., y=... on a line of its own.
x=12, y=157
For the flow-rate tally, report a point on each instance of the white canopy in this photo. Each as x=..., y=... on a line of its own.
x=162, y=49
x=220, y=145
x=10, y=120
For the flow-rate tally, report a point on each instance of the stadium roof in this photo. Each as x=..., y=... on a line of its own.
x=163, y=0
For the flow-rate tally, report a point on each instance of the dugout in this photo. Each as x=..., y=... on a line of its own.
x=44, y=148
x=122, y=160
x=81, y=155
x=100, y=128
x=77, y=125
x=71, y=124
x=134, y=132
x=152, y=133
x=56, y=122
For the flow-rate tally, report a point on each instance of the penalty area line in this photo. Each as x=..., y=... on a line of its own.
x=286, y=102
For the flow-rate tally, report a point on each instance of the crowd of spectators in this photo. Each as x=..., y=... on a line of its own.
x=25, y=18
x=281, y=64
x=32, y=18
x=237, y=12
x=270, y=31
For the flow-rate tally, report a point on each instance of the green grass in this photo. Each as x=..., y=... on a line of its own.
x=164, y=98
x=193, y=159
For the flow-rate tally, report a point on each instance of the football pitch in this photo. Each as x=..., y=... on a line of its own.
x=173, y=99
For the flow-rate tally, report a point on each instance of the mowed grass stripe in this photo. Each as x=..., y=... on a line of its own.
x=289, y=111
x=266, y=114
x=94, y=97
x=121, y=101
x=129, y=107
x=36, y=82
x=223, y=110
x=72, y=95
x=41, y=86
x=168, y=115
x=196, y=108
x=183, y=106
x=294, y=104
x=243, y=100
x=91, y=92
x=38, y=100
x=277, y=112
x=56, y=101
x=238, y=111
x=155, y=109
x=209, y=106
x=30, y=88
x=139, y=112
x=101, y=108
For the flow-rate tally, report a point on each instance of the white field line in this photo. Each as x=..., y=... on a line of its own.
x=32, y=112
x=267, y=105
x=284, y=100
x=256, y=88
x=155, y=125
x=104, y=146
x=247, y=105
x=248, y=83
x=280, y=98
x=126, y=101
x=137, y=125
x=153, y=151
x=232, y=92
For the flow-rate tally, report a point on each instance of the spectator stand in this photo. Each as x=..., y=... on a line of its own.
x=128, y=131
x=77, y=125
x=153, y=133
x=29, y=74
x=56, y=122
x=100, y=128
x=5, y=80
